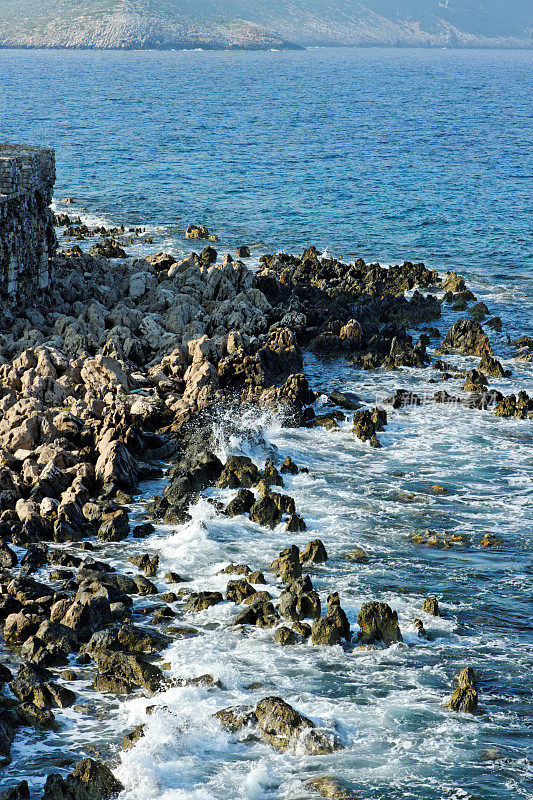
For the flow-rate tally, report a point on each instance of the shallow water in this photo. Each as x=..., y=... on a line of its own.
x=389, y=155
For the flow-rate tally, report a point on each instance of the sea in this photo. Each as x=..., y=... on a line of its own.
x=385, y=154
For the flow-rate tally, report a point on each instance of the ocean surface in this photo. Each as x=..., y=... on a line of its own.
x=390, y=155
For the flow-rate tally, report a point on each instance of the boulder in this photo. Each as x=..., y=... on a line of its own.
x=19, y=792
x=123, y=672
x=200, y=601
x=299, y=601
x=241, y=503
x=465, y=696
x=378, y=623
x=285, y=636
x=325, y=632
x=283, y=727
x=468, y=337
x=287, y=565
x=431, y=606
x=266, y=511
x=260, y=612
x=367, y=423
x=239, y=471
x=314, y=553
x=239, y=590
x=90, y=780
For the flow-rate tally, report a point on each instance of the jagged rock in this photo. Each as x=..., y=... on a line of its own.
x=238, y=590
x=199, y=232
x=239, y=471
x=90, y=780
x=295, y=523
x=236, y=718
x=200, y=601
x=19, y=792
x=478, y=312
x=283, y=727
x=266, y=511
x=475, y=381
x=325, y=632
x=133, y=737
x=299, y=601
x=378, y=623
x=235, y=569
x=431, y=606
x=285, y=636
x=314, y=553
x=147, y=563
x=287, y=564
x=466, y=336
x=465, y=696
x=337, y=615
x=241, y=503
x=329, y=788
x=289, y=467
x=491, y=366
x=367, y=423
x=260, y=612
x=419, y=626
x=123, y=672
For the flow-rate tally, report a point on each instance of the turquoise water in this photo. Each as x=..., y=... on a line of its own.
x=384, y=154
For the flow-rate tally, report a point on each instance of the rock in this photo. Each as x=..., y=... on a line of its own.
x=199, y=232
x=346, y=400
x=478, y=312
x=378, y=623
x=107, y=248
x=115, y=526
x=239, y=590
x=465, y=696
x=271, y=475
x=491, y=366
x=200, y=601
x=283, y=727
x=19, y=792
x=143, y=530
x=147, y=563
x=235, y=569
x=295, y=524
x=336, y=614
x=287, y=564
x=453, y=283
x=236, y=718
x=241, y=503
x=325, y=632
x=90, y=780
x=260, y=612
x=133, y=737
x=239, y=471
x=266, y=511
x=123, y=672
x=243, y=251
x=289, y=467
x=475, y=381
x=419, y=626
x=468, y=337
x=329, y=788
x=285, y=636
x=367, y=423
x=313, y=553
x=299, y=601
x=431, y=606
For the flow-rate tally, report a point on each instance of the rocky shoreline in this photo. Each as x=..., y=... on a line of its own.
x=114, y=377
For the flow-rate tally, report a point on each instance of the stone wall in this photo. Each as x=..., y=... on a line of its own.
x=27, y=236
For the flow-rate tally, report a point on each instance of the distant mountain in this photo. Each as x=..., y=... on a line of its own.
x=264, y=24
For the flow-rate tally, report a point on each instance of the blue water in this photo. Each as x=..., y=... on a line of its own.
x=384, y=154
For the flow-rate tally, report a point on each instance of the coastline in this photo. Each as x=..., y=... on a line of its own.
x=130, y=406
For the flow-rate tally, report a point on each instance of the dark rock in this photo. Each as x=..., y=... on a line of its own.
x=131, y=738
x=431, y=606
x=287, y=564
x=367, y=423
x=289, y=467
x=299, y=601
x=142, y=531
x=282, y=727
x=241, y=503
x=19, y=792
x=325, y=632
x=260, y=612
x=466, y=336
x=236, y=718
x=239, y=471
x=123, y=672
x=238, y=590
x=266, y=511
x=346, y=400
x=285, y=636
x=295, y=524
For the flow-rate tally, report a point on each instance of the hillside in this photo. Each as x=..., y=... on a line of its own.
x=252, y=24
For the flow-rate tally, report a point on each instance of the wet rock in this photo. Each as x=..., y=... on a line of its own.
x=241, y=503
x=478, y=312
x=287, y=564
x=431, y=606
x=199, y=232
x=491, y=366
x=475, y=381
x=303, y=629
x=295, y=524
x=108, y=248
x=329, y=788
x=403, y=399
x=289, y=467
x=243, y=251
x=235, y=569
x=468, y=337
x=260, y=612
x=520, y=407
x=200, y=601
x=367, y=423
x=239, y=471
x=284, y=636
x=283, y=727
x=299, y=601
x=378, y=623
x=90, y=780
x=19, y=627
x=143, y=530
x=325, y=632
x=239, y=590
x=42, y=694
x=122, y=673
x=115, y=526
x=266, y=511
x=465, y=696
x=313, y=553
x=133, y=737
x=19, y=792
x=327, y=421
x=271, y=474
x=236, y=718
x=337, y=615
x=147, y=563
x=257, y=577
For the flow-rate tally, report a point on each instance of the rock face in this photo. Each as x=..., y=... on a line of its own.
x=378, y=623
x=27, y=236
